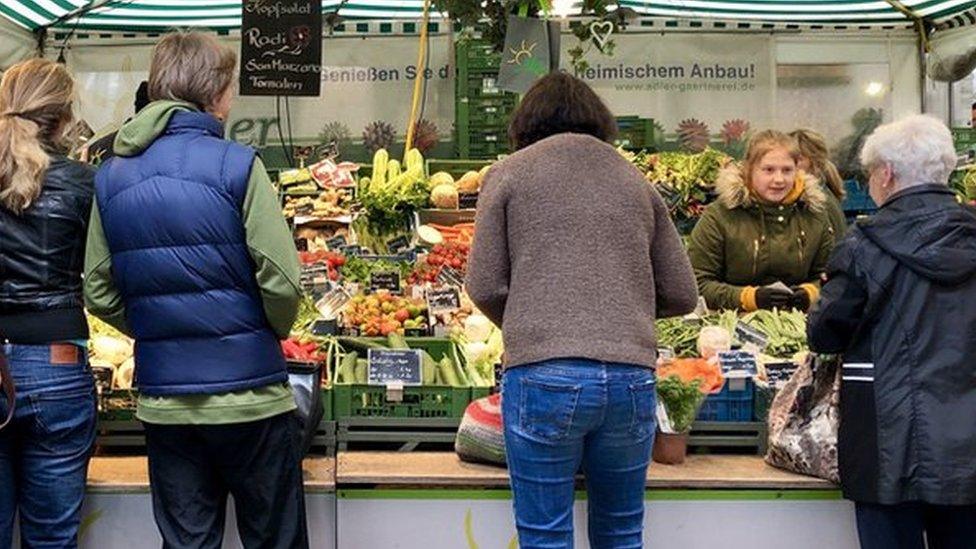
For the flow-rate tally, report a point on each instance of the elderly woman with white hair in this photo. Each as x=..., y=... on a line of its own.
x=900, y=305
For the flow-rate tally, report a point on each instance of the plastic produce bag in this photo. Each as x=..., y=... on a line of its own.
x=804, y=417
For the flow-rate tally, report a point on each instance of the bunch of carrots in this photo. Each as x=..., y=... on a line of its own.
x=688, y=369
x=462, y=233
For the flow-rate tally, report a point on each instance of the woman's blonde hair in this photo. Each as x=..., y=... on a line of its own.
x=762, y=143
x=813, y=147
x=192, y=67
x=36, y=99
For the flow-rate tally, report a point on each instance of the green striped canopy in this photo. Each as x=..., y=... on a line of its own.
x=147, y=15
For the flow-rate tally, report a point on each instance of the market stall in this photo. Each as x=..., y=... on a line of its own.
x=384, y=230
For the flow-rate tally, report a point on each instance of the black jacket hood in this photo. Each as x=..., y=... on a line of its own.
x=927, y=230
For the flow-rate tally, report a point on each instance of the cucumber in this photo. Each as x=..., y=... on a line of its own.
x=428, y=369
x=346, y=370
x=446, y=369
x=360, y=345
x=396, y=341
x=460, y=373
x=362, y=371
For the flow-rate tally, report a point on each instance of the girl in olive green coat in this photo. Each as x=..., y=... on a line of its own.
x=768, y=226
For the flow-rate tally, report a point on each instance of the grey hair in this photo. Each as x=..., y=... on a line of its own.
x=918, y=148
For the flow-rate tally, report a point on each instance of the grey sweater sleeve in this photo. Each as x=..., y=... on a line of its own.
x=674, y=280
x=488, y=264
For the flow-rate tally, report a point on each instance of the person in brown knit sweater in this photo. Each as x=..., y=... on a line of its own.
x=574, y=257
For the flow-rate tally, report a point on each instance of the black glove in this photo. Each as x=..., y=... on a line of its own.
x=770, y=297
x=801, y=299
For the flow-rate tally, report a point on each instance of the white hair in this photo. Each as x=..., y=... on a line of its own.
x=918, y=148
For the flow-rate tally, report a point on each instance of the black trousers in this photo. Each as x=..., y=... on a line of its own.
x=192, y=469
x=908, y=525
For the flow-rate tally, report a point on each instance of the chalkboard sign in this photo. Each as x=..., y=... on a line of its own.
x=443, y=300
x=450, y=277
x=336, y=242
x=281, y=47
x=468, y=201
x=301, y=244
x=398, y=244
x=351, y=250
x=747, y=334
x=738, y=363
x=388, y=366
x=389, y=281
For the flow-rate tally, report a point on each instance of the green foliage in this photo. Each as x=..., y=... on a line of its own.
x=681, y=400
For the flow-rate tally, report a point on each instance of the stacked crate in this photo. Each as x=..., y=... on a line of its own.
x=482, y=110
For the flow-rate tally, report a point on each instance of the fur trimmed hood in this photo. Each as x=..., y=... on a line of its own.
x=733, y=192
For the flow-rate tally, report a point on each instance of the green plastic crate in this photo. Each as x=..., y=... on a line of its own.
x=427, y=401
x=964, y=138
x=327, y=403
x=477, y=55
x=634, y=132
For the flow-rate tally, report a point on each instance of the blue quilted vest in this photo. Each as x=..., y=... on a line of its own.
x=172, y=218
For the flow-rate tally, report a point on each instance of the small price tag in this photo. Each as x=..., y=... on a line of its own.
x=665, y=353
x=450, y=277
x=398, y=244
x=468, y=201
x=391, y=366
x=301, y=244
x=747, y=334
x=304, y=210
x=389, y=281
x=738, y=364
x=443, y=300
x=351, y=250
x=336, y=242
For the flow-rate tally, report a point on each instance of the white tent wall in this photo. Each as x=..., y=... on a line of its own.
x=891, y=60
x=109, y=70
x=16, y=43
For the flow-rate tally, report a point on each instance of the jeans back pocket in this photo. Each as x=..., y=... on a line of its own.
x=546, y=409
x=644, y=399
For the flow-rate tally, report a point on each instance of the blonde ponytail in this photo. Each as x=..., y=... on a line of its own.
x=35, y=107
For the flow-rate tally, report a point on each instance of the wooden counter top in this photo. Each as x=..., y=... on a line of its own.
x=445, y=469
x=131, y=475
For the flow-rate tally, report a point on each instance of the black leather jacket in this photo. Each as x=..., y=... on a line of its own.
x=42, y=253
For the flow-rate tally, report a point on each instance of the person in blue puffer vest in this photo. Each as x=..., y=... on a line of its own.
x=189, y=254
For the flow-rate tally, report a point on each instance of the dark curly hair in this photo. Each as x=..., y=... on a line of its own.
x=560, y=103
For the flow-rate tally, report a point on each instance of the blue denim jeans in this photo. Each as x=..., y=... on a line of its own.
x=563, y=414
x=44, y=452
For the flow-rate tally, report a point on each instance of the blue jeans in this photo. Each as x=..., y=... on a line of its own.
x=561, y=414
x=44, y=452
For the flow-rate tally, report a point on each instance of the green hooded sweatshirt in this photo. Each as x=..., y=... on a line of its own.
x=276, y=270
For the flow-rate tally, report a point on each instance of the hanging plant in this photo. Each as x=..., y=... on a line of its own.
x=603, y=18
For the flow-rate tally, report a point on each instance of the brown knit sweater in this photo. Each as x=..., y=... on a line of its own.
x=574, y=255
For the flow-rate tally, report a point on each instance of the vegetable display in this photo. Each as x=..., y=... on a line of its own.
x=681, y=400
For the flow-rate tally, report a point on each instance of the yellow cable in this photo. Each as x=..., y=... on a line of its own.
x=418, y=82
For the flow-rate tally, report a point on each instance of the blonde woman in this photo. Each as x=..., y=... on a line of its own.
x=188, y=252
x=815, y=161
x=45, y=200
x=765, y=242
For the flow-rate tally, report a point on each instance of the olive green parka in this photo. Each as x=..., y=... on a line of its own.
x=741, y=243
